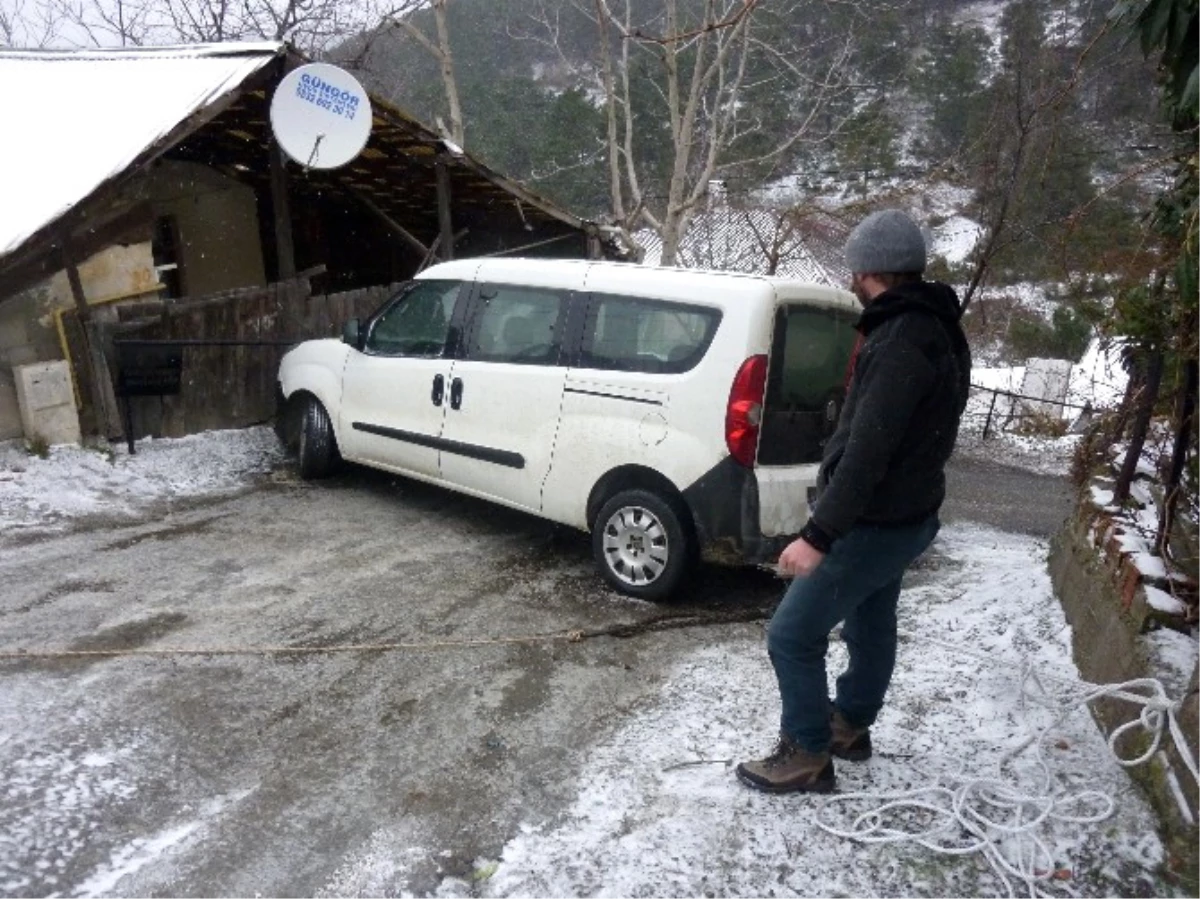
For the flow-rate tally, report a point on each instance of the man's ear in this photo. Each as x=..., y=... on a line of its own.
x=872, y=283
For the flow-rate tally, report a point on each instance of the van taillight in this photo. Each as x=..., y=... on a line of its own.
x=744, y=412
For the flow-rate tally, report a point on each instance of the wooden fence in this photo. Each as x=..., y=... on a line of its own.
x=222, y=386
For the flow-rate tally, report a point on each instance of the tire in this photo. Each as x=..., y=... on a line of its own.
x=317, y=447
x=643, y=544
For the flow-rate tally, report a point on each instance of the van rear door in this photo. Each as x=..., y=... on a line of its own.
x=807, y=376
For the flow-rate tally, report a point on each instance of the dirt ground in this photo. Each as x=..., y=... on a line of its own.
x=291, y=760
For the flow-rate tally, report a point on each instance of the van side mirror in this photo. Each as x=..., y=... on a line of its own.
x=352, y=333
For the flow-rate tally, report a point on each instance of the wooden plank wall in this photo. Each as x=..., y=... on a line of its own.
x=223, y=387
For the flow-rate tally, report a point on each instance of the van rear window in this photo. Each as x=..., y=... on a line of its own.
x=806, y=383
x=636, y=334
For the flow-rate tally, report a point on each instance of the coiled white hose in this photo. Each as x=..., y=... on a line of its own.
x=964, y=815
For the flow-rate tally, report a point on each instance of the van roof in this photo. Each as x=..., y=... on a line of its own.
x=521, y=268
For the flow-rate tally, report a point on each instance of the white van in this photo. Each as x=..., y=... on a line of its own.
x=673, y=413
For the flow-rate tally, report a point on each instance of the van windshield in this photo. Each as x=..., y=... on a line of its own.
x=806, y=383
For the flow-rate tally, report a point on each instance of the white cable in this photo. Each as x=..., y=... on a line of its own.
x=988, y=815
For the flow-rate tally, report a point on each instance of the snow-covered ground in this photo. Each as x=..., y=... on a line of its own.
x=1098, y=379
x=659, y=811
x=39, y=495
x=955, y=238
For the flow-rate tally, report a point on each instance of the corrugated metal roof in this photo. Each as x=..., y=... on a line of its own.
x=726, y=238
x=74, y=119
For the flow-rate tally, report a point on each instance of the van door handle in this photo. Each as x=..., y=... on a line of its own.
x=456, y=390
x=439, y=390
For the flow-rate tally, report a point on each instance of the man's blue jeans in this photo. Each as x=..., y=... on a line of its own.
x=858, y=583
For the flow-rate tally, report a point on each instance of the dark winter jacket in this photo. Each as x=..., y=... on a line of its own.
x=885, y=462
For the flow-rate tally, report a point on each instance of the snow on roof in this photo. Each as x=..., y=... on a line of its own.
x=731, y=239
x=77, y=118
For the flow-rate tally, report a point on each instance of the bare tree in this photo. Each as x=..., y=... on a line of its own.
x=704, y=68
x=438, y=47
x=27, y=23
x=311, y=25
x=1030, y=104
x=114, y=23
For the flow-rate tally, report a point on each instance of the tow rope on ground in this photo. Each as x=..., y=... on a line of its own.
x=970, y=814
x=50, y=654
x=627, y=629
x=987, y=815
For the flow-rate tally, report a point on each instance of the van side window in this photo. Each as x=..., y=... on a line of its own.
x=516, y=324
x=417, y=323
x=806, y=383
x=634, y=334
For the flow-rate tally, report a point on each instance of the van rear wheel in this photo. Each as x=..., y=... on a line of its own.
x=642, y=544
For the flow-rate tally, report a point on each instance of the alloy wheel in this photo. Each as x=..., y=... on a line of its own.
x=636, y=547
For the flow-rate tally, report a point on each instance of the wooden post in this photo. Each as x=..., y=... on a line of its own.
x=409, y=239
x=285, y=247
x=127, y=421
x=445, y=222
x=94, y=354
x=1185, y=412
x=987, y=425
x=1153, y=370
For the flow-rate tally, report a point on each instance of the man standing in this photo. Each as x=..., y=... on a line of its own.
x=880, y=486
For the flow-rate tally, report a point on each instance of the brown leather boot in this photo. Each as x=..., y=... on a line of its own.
x=789, y=769
x=847, y=741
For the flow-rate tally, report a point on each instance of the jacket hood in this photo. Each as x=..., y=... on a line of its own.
x=931, y=297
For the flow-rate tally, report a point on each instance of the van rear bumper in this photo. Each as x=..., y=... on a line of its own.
x=732, y=506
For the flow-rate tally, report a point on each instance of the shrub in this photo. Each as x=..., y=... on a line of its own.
x=1041, y=424
x=37, y=445
x=1066, y=336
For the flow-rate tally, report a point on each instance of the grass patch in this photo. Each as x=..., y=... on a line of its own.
x=37, y=445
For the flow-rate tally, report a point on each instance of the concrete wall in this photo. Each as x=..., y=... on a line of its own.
x=217, y=217
x=119, y=271
x=28, y=333
x=1104, y=598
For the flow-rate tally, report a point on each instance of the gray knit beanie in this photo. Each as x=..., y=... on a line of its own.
x=887, y=241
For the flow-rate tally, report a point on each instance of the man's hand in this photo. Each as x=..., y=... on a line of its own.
x=799, y=559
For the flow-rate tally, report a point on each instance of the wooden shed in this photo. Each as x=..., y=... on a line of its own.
x=151, y=175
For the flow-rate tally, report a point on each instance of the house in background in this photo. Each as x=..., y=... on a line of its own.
x=152, y=173
x=790, y=243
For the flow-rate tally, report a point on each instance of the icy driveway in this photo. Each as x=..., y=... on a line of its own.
x=659, y=813
x=541, y=768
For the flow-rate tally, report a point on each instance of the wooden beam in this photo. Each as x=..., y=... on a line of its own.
x=72, y=270
x=445, y=221
x=403, y=233
x=90, y=236
x=285, y=247
x=508, y=186
x=99, y=381
x=535, y=244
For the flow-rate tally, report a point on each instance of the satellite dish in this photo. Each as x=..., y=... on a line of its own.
x=321, y=116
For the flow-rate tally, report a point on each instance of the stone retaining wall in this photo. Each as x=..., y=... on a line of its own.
x=1104, y=598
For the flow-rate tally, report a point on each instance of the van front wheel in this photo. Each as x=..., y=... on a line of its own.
x=642, y=544
x=317, y=449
